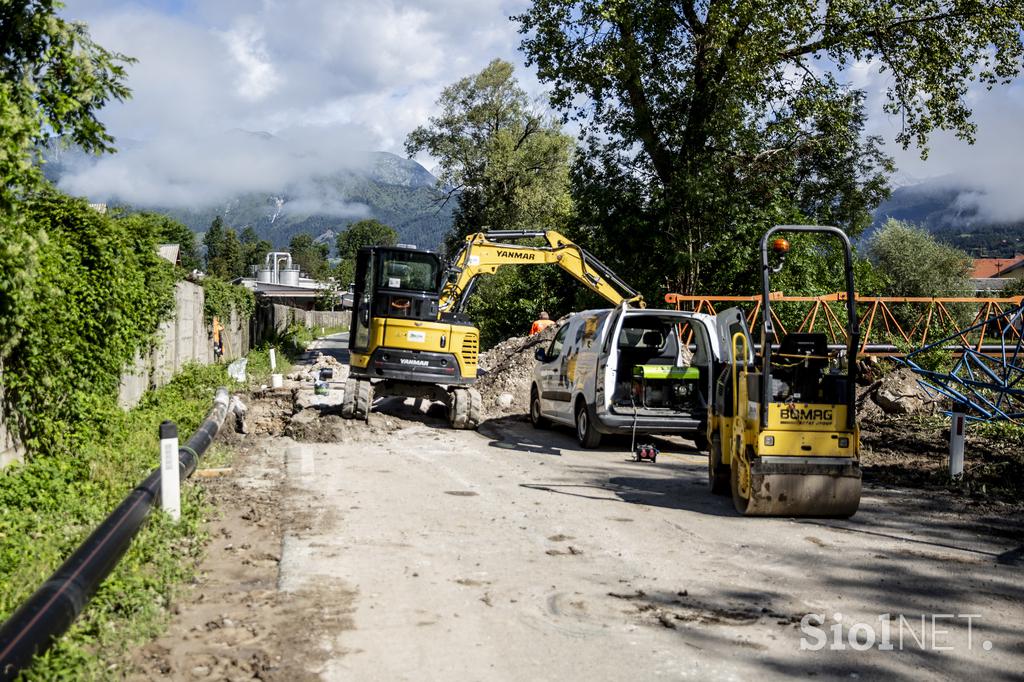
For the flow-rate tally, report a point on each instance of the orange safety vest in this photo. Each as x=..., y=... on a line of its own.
x=540, y=325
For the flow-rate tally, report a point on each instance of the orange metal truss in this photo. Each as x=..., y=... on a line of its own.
x=879, y=326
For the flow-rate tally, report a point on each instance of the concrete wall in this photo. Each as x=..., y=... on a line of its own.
x=183, y=339
x=273, y=319
x=186, y=338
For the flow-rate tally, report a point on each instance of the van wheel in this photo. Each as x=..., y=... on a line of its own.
x=718, y=474
x=586, y=433
x=537, y=418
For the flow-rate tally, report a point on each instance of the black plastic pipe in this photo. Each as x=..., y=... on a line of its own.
x=53, y=608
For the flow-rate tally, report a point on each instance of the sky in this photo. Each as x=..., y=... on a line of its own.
x=336, y=77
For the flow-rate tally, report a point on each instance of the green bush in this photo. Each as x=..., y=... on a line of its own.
x=99, y=293
x=220, y=297
x=52, y=503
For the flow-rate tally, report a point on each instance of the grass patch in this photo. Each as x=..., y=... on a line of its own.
x=290, y=346
x=50, y=504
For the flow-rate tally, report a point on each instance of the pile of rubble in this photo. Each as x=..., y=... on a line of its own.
x=311, y=373
x=507, y=370
x=896, y=393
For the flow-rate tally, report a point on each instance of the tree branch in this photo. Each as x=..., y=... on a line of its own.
x=876, y=32
x=694, y=23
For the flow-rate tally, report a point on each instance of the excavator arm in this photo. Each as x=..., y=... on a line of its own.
x=484, y=252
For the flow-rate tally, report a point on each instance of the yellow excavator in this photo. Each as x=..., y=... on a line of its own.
x=783, y=434
x=409, y=336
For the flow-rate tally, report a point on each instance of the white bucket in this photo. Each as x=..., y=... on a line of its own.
x=276, y=380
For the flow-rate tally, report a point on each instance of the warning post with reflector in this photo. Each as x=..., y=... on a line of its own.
x=170, y=484
x=957, y=427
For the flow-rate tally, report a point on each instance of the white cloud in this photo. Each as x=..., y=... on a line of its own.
x=338, y=77
x=194, y=172
x=365, y=72
x=258, y=77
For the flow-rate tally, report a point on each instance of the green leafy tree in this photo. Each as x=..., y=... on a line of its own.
x=254, y=249
x=359, y=234
x=232, y=259
x=913, y=263
x=506, y=162
x=706, y=122
x=508, y=165
x=213, y=240
x=53, y=81
x=166, y=230
x=309, y=256
x=225, y=255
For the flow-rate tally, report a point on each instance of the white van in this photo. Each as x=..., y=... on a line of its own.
x=607, y=371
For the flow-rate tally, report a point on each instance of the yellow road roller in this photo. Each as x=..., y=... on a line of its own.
x=783, y=431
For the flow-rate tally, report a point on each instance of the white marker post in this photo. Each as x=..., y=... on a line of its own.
x=273, y=360
x=170, y=486
x=957, y=427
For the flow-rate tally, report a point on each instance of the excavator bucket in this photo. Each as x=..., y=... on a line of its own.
x=804, y=489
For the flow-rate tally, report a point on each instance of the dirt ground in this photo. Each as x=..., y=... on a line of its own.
x=402, y=549
x=237, y=623
x=914, y=451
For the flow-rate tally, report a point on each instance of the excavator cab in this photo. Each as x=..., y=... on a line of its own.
x=783, y=433
x=394, y=282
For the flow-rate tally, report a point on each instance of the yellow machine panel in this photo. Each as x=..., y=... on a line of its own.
x=463, y=341
x=806, y=417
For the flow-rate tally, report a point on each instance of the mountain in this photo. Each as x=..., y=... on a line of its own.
x=320, y=192
x=939, y=206
x=395, y=191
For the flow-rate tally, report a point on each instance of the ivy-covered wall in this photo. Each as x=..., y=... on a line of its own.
x=97, y=295
x=99, y=302
x=187, y=337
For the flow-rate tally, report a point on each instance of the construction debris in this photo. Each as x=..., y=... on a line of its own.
x=897, y=393
x=507, y=373
x=311, y=373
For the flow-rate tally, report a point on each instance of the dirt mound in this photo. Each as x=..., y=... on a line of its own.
x=509, y=370
x=897, y=393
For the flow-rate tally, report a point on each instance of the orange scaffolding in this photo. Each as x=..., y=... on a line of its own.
x=881, y=331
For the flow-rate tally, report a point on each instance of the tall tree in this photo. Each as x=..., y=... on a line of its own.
x=309, y=256
x=361, y=233
x=213, y=240
x=913, y=263
x=507, y=163
x=254, y=249
x=706, y=122
x=53, y=81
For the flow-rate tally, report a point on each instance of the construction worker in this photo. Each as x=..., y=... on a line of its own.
x=541, y=323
